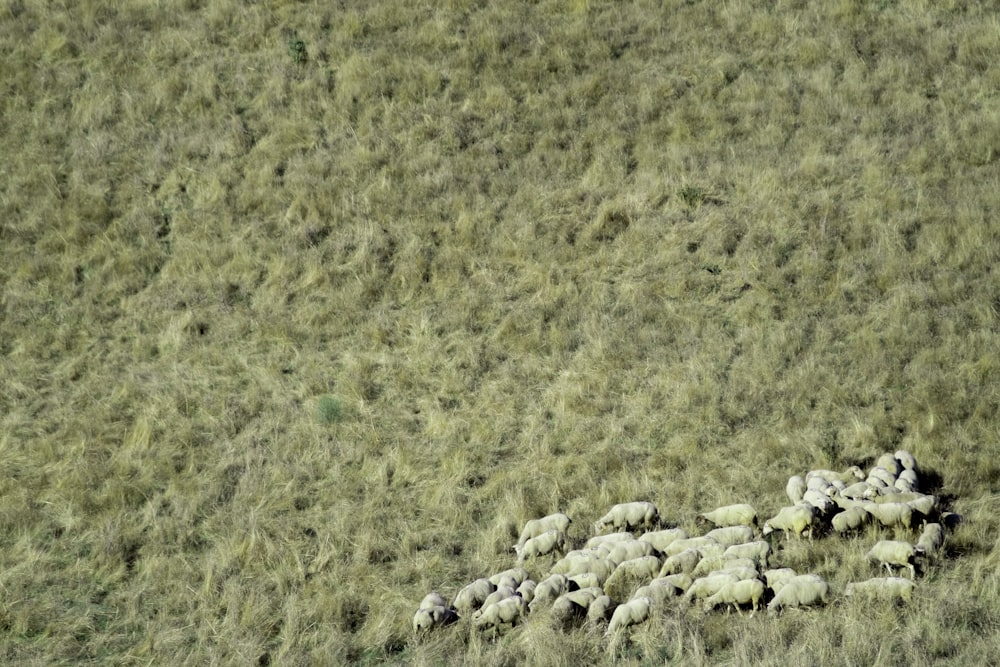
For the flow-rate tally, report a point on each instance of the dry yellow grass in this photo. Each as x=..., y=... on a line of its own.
x=307, y=306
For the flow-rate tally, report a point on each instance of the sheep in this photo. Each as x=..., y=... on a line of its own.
x=906, y=460
x=680, y=581
x=518, y=574
x=627, y=516
x=731, y=535
x=501, y=593
x=819, y=500
x=883, y=588
x=924, y=504
x=658, y=590
x=893, y=552
x=795, y=488
x=796, y=519
x=432, y=599
x=776, y=578
x=661, y=539
x=549, y=589
x=817, y=484
x=510, y=610
x=580, y=563
x=852, y=474
x=599, y=540
x=757, y=551
x=684, y=562
x=704, y=587
x=586, y=580
x=574, y=604
x=527, y=590
x=891, y=514
x=535, y=527
x=633, y=612
x=635, y=570
x=678, y=546
x=544, y=544
x=746, y=591
x=740, y=514
x=600, y=609
x=858, y=491
x=890, y=463
x=623, y=551
x=850, y=520
x=931, y=540
x=434, y=616
x=881, y=474
x=799, y=593
x=951, y=520
x=473, y=595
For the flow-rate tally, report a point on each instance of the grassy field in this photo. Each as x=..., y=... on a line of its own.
x=308, y=306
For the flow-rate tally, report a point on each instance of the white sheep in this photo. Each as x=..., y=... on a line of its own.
x=795, y=488
x=600, y=540
x=821, y=501
x=891, y=514
x=776, y=578
x=574, y=605
x=433, y=599
x=881, y=474
x=535, y=527
x=586, y=580
x=595, y=563
x=635, y=570
x=851, y=475
x=925, y=504
x=658, y=590
x=678, y=546
x=740, y=514
x=685, y=562
x=858, y=491
x=704, y=587
x=661, y=539
x=501, y=593
x=720, y=563
x=850, y=520
x=600, y=609
x=736, y=593
x=889, y=462
x=796, y=519
x=510, y=610
x=893, y=552
x=435, y=616
x=472, y=596
x=798, y=592
x=527, y=590
x=633, y=612
x=627, y=516
x=730, y=535
x=549, y=589
x=623, y=551
x=931, y=540
x=906, y=460
x=518, y=574
x=883, y=588
x=544, y=544
x=817, y=484
x=757, y=551
x=680, y=581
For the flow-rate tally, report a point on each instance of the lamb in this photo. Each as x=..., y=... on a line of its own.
x=800, y=592
x=684, y=562
x=472, y=596
x=757, y=551
x=544, y=544
x=891, y=514
x=740, y=514
x=884, y=588
x=893, y=552
x=535, y=527
x=432, y=599
x=633, y=612
x=434, y=616
x=747, y=591
x=850, y=520
x=796, y=519
x=627, y=516
x=731, y=535
x=931, y=540
x=661, y=539
x=795, y=488
x=510, y=610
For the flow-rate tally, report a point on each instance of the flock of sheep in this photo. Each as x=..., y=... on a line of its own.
x=620, y=579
